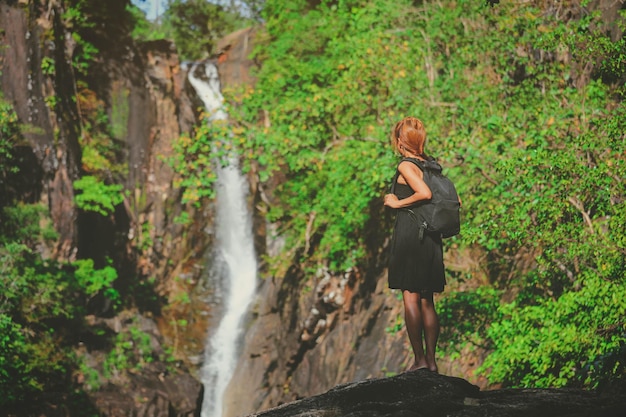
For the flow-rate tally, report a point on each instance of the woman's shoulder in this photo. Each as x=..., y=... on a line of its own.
x=412, y=163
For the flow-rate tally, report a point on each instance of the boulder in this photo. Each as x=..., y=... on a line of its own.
x=423, y=393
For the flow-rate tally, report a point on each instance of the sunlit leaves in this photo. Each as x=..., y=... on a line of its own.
x=331, y=81
x=195, y=157
x=94, y=195
x=93, y=280
x=557, y=342
x=545, y=183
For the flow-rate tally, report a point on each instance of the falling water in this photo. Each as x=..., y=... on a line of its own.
x=234, y=246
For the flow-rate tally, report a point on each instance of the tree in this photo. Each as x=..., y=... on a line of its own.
x=198, y=24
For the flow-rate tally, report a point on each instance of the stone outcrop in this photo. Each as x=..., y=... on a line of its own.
x=423, y=393
x=232, y=58
x=301, y=344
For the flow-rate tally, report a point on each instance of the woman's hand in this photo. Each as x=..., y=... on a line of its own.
x=391, y=200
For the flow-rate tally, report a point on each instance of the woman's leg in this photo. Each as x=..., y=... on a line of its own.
x=430, y=323
x=414, y=327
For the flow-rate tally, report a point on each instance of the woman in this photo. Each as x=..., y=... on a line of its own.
x=415, y=265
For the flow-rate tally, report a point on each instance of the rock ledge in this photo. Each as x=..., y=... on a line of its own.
x=423, y=393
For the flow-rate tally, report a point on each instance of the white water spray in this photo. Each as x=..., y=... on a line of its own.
x=234, y=244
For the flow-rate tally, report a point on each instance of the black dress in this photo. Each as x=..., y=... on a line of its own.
x=415, y=265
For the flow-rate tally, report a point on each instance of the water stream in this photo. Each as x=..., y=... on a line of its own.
x=235, y=249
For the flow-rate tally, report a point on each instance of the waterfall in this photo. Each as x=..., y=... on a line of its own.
x=235, y=249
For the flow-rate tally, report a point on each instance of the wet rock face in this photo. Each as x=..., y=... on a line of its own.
x=423, y=393
x=233, y=63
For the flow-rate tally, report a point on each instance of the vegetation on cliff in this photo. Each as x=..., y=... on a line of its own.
x=523, y=103
x=42, y=299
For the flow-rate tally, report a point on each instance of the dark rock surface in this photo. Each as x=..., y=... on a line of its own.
x=156, y=392
x=422, y=393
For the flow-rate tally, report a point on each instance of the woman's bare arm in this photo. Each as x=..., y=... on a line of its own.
x=414, y=178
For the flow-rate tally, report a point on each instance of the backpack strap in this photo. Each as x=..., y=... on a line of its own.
x=393, y=183
x=430, y=164
x=418, y=162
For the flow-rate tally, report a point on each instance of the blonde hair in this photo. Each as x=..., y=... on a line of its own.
x=410, y=134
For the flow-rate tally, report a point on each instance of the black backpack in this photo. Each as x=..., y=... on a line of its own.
x=440, y=214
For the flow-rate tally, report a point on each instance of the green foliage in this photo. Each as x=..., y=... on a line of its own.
x=131, y=351
x=193, y=160
x=521, y=105
x=9, y=134
x=92, y=280
x=328, y=87
x=561, y=342
x=465, y=317
x=40, y=299
x=47, y=65
x=13, y=360
x=76, y=20
x=92, y=378
x=101, y=136
x=552, y=194
x=34, y=289
x=25, y=223
x=97, y=196
x=27, y=364
x=183, y=219
x=143, y=29
x=34, y=356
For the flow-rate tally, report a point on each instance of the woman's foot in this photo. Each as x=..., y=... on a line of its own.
x=431, y=364
x=416, y=367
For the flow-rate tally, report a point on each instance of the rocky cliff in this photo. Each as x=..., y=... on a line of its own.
x=140, y=90
x=310, y=333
